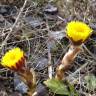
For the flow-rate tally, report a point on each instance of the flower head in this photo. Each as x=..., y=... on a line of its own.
x=13, y=59
x=78, y=32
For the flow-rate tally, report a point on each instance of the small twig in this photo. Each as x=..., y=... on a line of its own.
x=64, y=20
x=89, y=52
x=35, y=94
x=77, y=71
x=49, y=55
x=29, y=50
x=49, y=62
x=5, y=78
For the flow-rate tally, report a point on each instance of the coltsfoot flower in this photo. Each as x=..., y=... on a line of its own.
x=13, y=59
x=78, y=32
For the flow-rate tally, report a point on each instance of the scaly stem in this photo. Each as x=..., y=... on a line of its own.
x=67, y=61
x=29, y=78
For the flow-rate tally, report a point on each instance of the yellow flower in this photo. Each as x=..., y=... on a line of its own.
x=13, y=59
x=78, y=32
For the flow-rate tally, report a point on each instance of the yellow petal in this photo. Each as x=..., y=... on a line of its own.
x=12, y=58
x=78, y=31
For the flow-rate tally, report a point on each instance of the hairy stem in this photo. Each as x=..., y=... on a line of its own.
x=67, y=61
x=29, y=78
